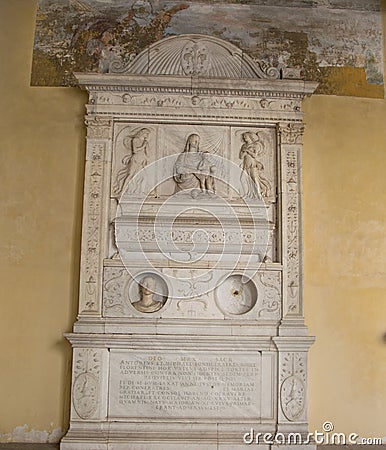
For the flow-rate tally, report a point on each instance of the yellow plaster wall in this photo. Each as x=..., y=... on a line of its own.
x=41, y=164
x=41, y=171
x=344, y=186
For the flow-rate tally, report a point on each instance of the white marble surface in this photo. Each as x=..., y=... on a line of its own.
x=191, y=254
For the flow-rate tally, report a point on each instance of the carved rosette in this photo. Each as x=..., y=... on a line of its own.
x=86, y=382
x=293, y=385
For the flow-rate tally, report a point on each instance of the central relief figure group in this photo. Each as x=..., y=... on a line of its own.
x=193, y=170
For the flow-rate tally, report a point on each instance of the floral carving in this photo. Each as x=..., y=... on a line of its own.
x=195, y=58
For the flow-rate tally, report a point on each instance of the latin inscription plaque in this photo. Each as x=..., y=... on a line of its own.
x=149, y=385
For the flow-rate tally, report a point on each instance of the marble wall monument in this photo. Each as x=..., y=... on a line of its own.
x=190, y=330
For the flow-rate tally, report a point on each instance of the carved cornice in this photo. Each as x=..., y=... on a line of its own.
x=175, y=342
x=137, y=84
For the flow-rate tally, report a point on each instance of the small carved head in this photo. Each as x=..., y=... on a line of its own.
x=195, y=100
x=249, y=137
x=192, y=143
x=143, y=133
x=147, y=286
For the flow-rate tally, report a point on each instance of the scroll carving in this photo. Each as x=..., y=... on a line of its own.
x=198, y=101
x=113, y=289
x=182, y=236
x=293, y=254
x=269, y=288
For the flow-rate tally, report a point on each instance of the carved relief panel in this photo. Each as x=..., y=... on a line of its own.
x=201, y=168
x=255, y=150
x=135, y=146
x=89, y=384
x=255, y=299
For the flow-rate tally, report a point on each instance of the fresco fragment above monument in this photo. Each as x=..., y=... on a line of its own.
x=335, y=42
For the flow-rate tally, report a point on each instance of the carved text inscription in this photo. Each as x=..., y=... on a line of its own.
x=220, y=386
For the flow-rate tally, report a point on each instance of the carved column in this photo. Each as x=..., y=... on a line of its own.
x=95, y=213
x=290, y=144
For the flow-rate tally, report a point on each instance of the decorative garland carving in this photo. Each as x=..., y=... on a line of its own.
x=225, y=102
x=180, y=236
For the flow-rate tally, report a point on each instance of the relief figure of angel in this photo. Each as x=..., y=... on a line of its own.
x=137, y=146
x=250, y=153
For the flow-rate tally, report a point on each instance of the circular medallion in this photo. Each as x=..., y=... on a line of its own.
x=148, y=292
x=236, y=295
